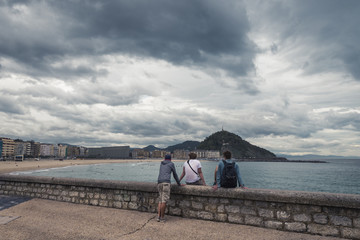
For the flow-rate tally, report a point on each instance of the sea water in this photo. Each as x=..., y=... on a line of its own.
x=336, y=176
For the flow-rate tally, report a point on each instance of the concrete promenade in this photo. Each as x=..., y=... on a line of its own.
x=37, y=219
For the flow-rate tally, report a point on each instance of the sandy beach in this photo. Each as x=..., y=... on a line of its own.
x=12, y=166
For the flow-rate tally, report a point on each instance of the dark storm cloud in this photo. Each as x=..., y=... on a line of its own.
x=198, y=33
x=323, y=34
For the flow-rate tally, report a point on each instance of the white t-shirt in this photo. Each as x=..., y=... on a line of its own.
x=190, y=176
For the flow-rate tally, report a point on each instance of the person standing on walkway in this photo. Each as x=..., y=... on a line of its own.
x=192, y=171
x=228, y=173
x=164, y=185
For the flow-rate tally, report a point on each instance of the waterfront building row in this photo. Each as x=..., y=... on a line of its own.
x=10, y=149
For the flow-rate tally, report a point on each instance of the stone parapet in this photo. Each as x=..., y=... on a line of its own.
x=324, y=214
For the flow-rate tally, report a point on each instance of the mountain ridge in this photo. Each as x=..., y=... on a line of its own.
x=221, y=141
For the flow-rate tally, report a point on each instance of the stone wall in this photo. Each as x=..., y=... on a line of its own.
x=314, y=213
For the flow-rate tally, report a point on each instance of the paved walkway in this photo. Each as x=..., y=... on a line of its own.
x=38, y=219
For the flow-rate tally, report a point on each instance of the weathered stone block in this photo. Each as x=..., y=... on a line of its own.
x=232, y=209
x=197, y=205
x=133, y=198
x=175, y=211
x=302, y=217
x=351, y=233
x=118, y=198
x=103, y=203
x=206, y=215
x=295, y=227
x=320, y=218
x=73, y=194
x=237, y=202
x=323, y=230
x=282, y=215
x=224, y=200
x=267, y=213
x=261, y=204
x=103, y=196
x=190, y=213
x=221, y=217
x=221, y=208
x=94, y=202
x=340, y=221
x=278, y=205
x=357, y=222
x=184, y=204
x=273, y=224
x=248, y=203
x=235, y=218
x=210, y=208
x=52, y=197
x=248, y=211
x=171, y=203
x=126, y=198
x=252, y=220
x=117, y=204
x=213, y=200
x=133, y=205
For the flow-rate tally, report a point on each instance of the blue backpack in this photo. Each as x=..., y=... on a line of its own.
x=228, y=175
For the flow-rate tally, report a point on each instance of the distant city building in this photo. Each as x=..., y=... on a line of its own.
x=158, y=154
x=208, y=154
x=62, y=151
x=120, y=152
x=7, y=148
x=46, y=150
x=20, y=147
x=181, y=154
x=139, y=153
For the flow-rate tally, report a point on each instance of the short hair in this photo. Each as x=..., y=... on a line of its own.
x=227, y=155
x=192, y=155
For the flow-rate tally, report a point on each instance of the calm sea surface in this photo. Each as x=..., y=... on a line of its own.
x=336, y=176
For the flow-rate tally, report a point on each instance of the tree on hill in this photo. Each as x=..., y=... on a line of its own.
x=224, y=140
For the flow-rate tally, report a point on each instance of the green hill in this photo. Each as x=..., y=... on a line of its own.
x=188, y=145
x=239, y=148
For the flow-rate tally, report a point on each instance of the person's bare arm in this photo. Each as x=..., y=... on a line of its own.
x=201, y=176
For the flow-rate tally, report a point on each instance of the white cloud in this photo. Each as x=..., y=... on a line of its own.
x=281, y=74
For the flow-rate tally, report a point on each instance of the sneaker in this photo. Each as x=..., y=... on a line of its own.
x=158, y=219
x=162, y=220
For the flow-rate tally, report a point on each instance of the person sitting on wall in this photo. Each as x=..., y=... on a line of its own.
x=192, y=171
x=164, y=185
x=228, y=173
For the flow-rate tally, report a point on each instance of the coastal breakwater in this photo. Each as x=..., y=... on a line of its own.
x=324, y=214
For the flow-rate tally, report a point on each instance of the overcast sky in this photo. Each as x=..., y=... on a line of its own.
x=283, y=75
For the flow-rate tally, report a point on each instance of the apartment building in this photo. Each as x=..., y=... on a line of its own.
x=158, y=154
x=139, y=153
x=181, y=154
x=7, y=148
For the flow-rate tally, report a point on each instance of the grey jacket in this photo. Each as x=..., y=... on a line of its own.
x=166, y=167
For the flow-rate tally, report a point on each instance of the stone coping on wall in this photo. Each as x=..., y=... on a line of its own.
x=284, y=196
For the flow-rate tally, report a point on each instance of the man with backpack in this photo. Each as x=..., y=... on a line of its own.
x=228, y=173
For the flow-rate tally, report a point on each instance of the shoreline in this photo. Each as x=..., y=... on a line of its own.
x=16, y=166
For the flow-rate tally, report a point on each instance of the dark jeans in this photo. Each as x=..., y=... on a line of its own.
x=198, y=182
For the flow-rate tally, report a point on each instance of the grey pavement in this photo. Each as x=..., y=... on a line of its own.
x=38, y=219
